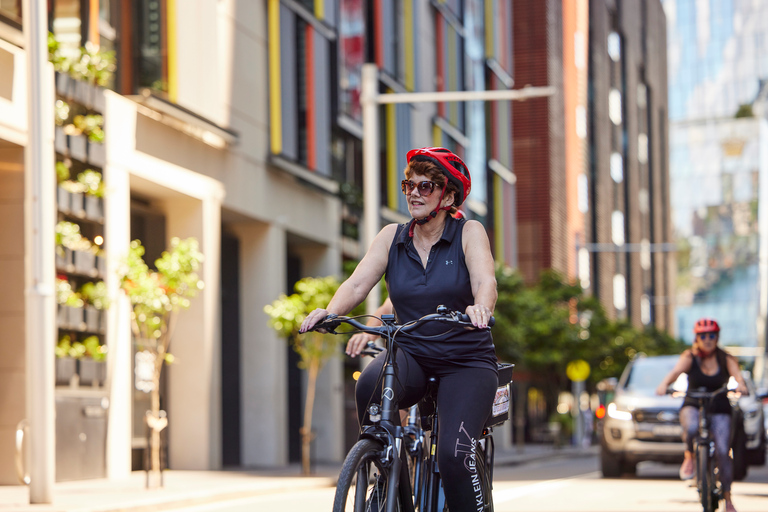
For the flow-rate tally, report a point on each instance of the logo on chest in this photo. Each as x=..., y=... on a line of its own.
x=449, y=262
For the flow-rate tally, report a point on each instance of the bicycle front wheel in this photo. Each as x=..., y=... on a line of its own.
x=363, y=481
x=704, y=477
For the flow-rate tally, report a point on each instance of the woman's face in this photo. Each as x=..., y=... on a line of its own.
x=422, y=195
x=707, y=341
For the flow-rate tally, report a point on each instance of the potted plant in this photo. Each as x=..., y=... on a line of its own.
x=156, y=298
x=70, y=305
x=92, y=366
x=285, y=316
x=93, y=186
x=66, y=361
x=96, y=301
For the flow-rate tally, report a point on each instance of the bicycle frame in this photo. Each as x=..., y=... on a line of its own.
x=386, y=427
x=710, y=493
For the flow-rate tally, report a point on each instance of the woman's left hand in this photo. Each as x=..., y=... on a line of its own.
x=479, y=315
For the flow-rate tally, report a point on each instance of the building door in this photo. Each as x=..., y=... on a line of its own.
x=230, y=349
x=295, y=375
x=148, y=226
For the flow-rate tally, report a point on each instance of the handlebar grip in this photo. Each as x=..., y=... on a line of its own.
x=465, y=318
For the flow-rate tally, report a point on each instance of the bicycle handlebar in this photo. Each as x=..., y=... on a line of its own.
x=443, y=315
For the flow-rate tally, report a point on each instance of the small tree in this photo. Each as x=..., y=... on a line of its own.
x=286, y=315
x=156, y=297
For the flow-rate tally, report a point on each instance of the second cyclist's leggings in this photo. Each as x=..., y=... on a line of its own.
x=464, y=399
x=720, y=429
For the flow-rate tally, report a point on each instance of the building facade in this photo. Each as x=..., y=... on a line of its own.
x=717, y=157
x=237, y=123
x=593, y=202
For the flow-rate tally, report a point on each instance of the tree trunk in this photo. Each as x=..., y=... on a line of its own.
x=306, y=431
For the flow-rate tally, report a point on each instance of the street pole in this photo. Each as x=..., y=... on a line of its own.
x=371, y=187
x=370, y=99
x=39, y=239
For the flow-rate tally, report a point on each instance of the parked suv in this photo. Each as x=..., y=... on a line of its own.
x=642, y=426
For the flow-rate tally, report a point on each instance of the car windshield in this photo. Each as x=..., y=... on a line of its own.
x=645, y=374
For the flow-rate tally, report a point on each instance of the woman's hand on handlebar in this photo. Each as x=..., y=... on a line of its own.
x=312, y=319
x=358, y=342
x=479, y=315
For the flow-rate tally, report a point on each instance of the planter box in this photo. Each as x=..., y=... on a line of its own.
x=93, y=319
x=65, y=84
x=97, y=154
x=63, y=199
x=78, y=147
x=92, y=373
x=60, y=140
x=77, y=204
x=66, y=370
x=94, y=208
x=62, y=316
x=101, y=265
x=66, y=260
x=85, y=263
x=76, y=318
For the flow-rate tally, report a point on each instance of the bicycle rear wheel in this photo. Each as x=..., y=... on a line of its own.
x=484, y=467
x=704, y=477
x=363, y=481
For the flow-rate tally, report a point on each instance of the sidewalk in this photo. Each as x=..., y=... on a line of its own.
x=186, y=488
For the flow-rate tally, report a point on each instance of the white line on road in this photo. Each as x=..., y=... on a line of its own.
x=547, y=485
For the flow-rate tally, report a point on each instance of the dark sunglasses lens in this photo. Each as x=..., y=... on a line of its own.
x=425, y=187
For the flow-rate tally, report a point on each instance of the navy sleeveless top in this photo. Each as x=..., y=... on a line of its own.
x=416, y=291
x=698, y=379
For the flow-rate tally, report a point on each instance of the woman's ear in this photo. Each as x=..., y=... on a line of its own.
x=449, y=199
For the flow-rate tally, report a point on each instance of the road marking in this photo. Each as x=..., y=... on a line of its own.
x=547, y=485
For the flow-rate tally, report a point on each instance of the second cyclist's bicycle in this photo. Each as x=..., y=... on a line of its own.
x=393, y=467
x=707, y=484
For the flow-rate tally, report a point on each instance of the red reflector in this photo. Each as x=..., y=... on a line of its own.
x=600, y=412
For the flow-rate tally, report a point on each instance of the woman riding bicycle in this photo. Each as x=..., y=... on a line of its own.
x=710, y=367
x=434, y=259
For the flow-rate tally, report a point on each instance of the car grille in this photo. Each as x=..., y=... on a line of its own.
x=657, y=425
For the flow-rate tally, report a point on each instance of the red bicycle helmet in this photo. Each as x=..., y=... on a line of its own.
x=451, y=165
x=706, y=325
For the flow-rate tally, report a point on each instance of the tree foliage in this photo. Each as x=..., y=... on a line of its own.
x=285, y=316
x=544, y=326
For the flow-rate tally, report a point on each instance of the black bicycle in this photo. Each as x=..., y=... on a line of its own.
x=392, y=467
x=710, y=492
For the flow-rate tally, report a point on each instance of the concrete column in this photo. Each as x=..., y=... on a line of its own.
x=264, y=395
x=194, y=380
x=117, y=232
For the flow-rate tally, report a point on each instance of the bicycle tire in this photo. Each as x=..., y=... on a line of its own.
x=704, y=477
x=363, y=462
x=484, y=465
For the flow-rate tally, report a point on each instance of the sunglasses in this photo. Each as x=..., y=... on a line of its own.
x=425, y=187
x=707, y=335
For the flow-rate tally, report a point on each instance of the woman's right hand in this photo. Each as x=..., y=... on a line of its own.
x=358, y=342
x=318, y=315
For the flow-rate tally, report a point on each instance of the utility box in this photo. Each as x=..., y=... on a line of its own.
x=81, y=436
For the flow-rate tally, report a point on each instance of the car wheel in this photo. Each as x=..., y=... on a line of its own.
x=756, y=457
x=739, y=448
x=610, y=463
x=628, y=468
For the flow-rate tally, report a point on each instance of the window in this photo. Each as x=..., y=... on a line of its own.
x=300, y=89
x=10, y=11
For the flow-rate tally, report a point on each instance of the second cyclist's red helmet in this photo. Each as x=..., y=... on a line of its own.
x=451, y=165
x=706, y=325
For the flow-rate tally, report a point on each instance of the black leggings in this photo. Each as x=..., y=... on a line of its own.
x=464, y=398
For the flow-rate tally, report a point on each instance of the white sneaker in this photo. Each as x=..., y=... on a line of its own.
x=687, y=470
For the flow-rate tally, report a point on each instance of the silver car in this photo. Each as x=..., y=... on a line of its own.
x=642, y=426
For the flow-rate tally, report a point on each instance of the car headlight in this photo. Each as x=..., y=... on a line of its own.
x=618, y=414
